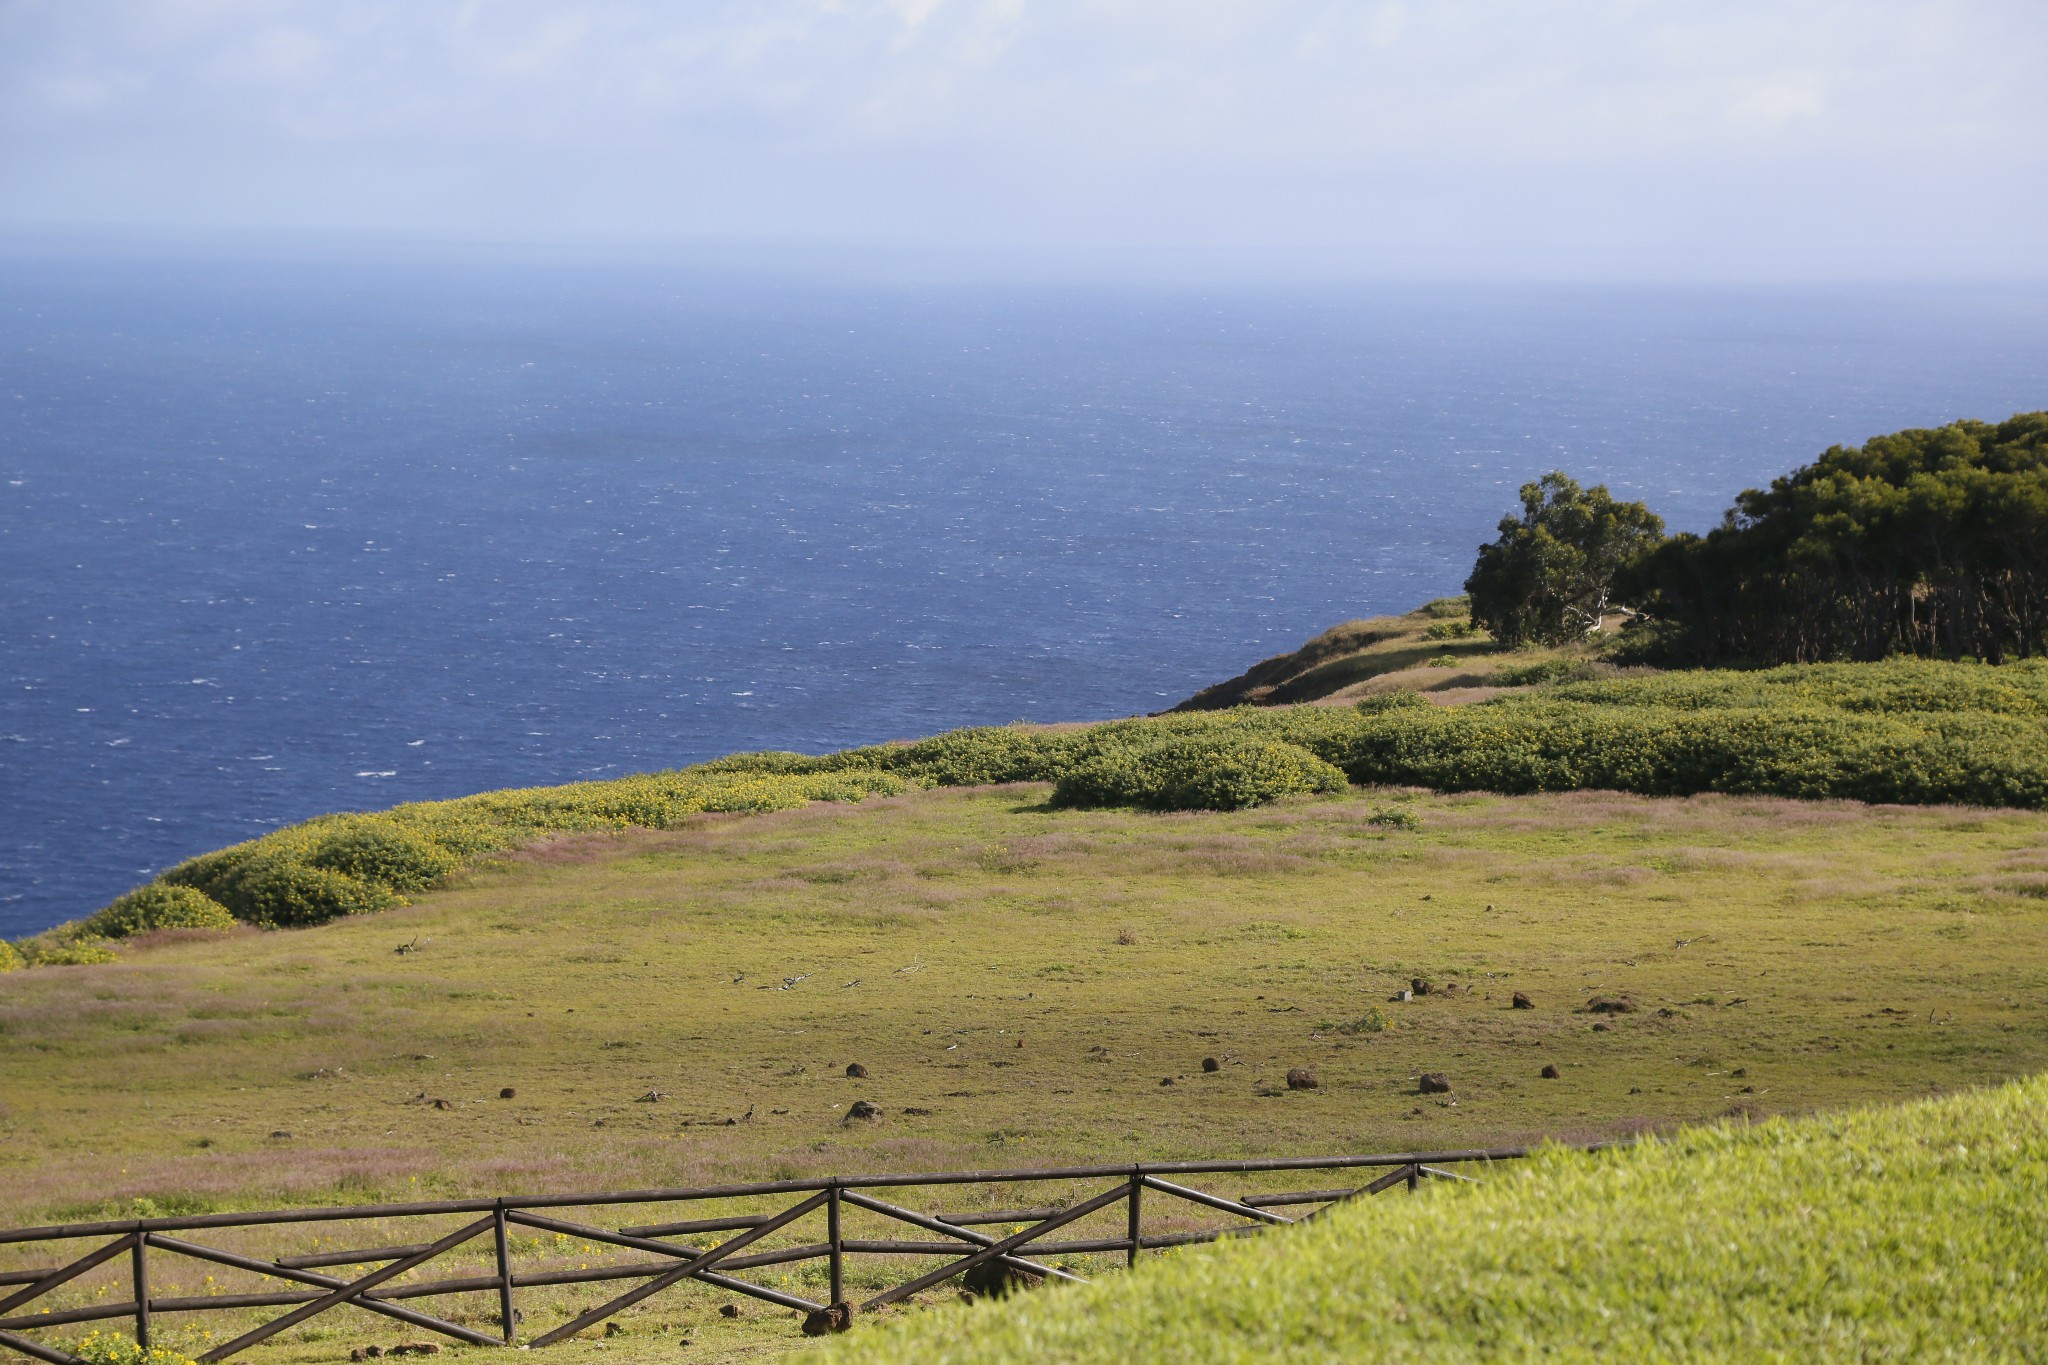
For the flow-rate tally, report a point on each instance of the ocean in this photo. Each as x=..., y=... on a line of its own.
x=278, y=539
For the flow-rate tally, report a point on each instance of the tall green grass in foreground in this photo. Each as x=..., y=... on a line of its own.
x=1909, y=731
x=1913, y=1232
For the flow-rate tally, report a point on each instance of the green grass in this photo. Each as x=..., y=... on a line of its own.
x=1905, y=731
x=1033, y=975
x=1895, y=1233
x=1377, y=655
x=1837, y=953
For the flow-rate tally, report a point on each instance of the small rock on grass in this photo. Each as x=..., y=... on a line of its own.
x=730, y=1310
x=507, y=1093
x=1211, y=1064
x=1434, y=1083
x=856, y=1071
x=1550, y=1071
x=1611, y=1004
x=835, y=1318
x=1301, y=1078
x=861, y=1109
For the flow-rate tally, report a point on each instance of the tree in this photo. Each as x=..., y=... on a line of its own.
x=1548, y=577
x=1931, y=542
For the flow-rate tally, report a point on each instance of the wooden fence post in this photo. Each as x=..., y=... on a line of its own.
x=505, y=1310
x=1134, y=1214
x=838, y=1244
x=139, y=1273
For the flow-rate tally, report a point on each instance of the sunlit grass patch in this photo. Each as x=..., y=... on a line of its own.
x=1908, y=1232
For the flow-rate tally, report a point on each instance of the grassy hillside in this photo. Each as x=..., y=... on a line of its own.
x=1432, y=650
x=1031, y=938
x=1832, y=952
x=1902, y=731
x=1891, y=1233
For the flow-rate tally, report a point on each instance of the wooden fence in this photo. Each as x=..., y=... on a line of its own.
x=145, y=1243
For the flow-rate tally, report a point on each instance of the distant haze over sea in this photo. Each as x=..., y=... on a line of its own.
x=284, y=539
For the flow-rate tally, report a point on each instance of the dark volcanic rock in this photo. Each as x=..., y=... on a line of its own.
x=836, y=1318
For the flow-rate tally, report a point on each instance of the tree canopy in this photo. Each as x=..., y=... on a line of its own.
x=1548, y=578
x=1931, y=542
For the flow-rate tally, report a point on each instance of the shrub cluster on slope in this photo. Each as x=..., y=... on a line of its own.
x=338, y=865
x=1909, y=1233
x=1912, y=731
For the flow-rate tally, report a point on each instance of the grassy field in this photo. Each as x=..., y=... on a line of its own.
x=1908, y=1233
x=1430, y=650
x=1029, y=977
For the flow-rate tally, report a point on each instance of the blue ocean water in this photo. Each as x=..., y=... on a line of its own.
x=282, y=539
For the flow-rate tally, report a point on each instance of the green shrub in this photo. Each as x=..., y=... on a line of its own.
x=1374, y=1020
x=1524, y=745
x=1450, y=630
x=66, y=951
x=158, y=906
x=11, y=959
x=971, y=758
x=1391, y=701
x=273, y=887
x=1197, y=773
x=1534, y=675
x=775, y=761
x=383, y=852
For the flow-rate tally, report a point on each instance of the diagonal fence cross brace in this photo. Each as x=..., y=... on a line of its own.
x=64, y=1274
x=738, y=1286
x=688, y=1268
x=271, y=1268
x=348, y=1291
x=995, y=1249
x=1399, y=1175
x=1435, y=1173
x=916, y=1219
x=1214, y=1201
x=35, y=1350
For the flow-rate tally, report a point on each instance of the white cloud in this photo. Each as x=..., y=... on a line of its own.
x=1261, y=124
x=1779, y=102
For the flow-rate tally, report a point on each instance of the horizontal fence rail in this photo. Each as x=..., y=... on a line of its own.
x=380, y=1279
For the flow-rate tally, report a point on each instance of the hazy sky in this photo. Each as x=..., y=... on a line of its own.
x=1674, y=139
